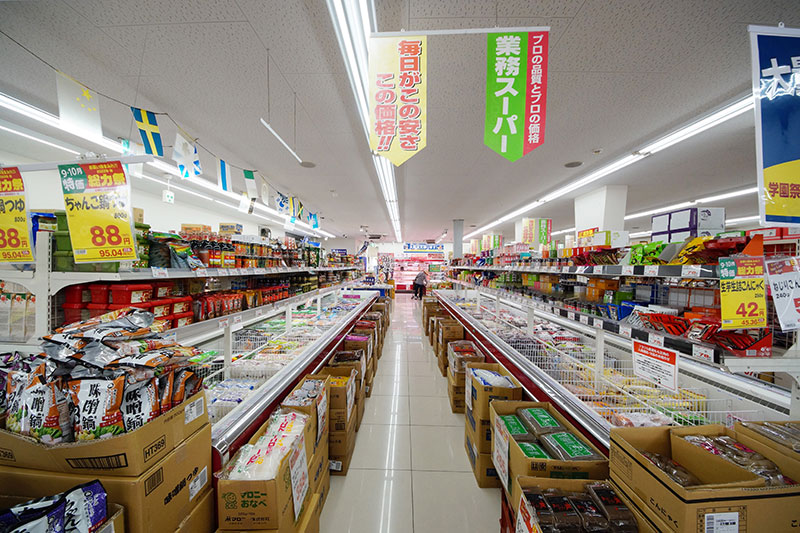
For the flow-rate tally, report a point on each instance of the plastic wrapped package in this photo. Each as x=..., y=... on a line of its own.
x=539, y=421
x=81, y=509
x=490, y=378
x=673, y=470
x=741, y=455
x=544, y=514
x=635, y=419
x=533, y=450
x=592, y=518
x=306, y=394
x=777, y=433
x=567, y=447
x=517, y=429
x=619, y=517
x=565, y=517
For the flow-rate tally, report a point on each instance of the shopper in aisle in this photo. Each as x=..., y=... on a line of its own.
x=419, y=285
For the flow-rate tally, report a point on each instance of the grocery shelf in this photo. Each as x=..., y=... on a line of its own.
x=237, y=426
x=709, y=272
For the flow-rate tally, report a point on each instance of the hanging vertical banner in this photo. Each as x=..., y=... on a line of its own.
x=776, y=87
x=97, y=201
x=516, y=92
x=397, y=96
x=250, y=182
x=742, y=292
x=784, y=280
x=15, y=227
x=545, y=229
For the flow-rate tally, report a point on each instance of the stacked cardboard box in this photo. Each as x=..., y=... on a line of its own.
x=478, y=432
x=729, y=498
x=448, y=330
x=158, y=472
x=459, y=354
x=511, y=461
x=343, y=395
x=356, y=342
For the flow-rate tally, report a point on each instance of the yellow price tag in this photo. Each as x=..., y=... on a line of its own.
x=97, y=201
x=743, y=292
x=15, y=229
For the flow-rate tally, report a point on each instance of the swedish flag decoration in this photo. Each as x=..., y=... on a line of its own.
x=148, y=129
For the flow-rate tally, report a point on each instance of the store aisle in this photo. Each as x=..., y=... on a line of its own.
x=409, y=471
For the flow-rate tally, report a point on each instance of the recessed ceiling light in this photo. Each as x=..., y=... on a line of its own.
x=597, y=151
x=573, y=164
x=473, y=225
x=307, y=164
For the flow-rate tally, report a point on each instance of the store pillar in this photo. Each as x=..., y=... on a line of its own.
x=602, y=208
x=458, y=237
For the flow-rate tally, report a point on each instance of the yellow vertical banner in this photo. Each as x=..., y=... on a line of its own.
x=15, y=229
x=397, y=96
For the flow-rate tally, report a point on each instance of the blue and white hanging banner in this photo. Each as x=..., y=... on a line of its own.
x=422, y=248
x=776, y=87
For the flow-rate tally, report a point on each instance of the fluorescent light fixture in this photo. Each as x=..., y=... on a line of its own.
x=562, y=232
x=280, y=139
x=709, y=121
x=39, y=140
x=176, y=187
x=441, y=237
x=659, y=210
x=734, y=194
x=640, y=234
x=740, y=220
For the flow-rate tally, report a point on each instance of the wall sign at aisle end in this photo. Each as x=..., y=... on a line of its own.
x=16, y=244
x=99, y=214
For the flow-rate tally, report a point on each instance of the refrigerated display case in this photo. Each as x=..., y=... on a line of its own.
x=406, y=269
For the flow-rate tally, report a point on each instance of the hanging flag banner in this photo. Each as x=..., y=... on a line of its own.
x=78, y=107
x=197, y=168
x=250, y=182
x=282, y=203
x=148, y=131
x=183, y=153
x=516, y=92
x=784, y=281
x=263, y=190
x=776, y=87
x=97, y=201
x=313, y=220
x=742, y=292
x=224, y=176
x=398, y=96
x=15, y=229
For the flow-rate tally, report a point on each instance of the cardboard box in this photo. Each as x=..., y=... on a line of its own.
x=308, y=522
x=450, y=331
x=115, y=514
x=482, y=467
x=340, y=464
x=203, y=518
x=318, y=466
x=157, y=500
x=324, y=487
x=138, y=215
x=360, y=408
x=359, y=366
x=341, y=397
x=459, y=361
x=129, y=454
x=340, y=441
x=195, y=228
x=442, y=364
x=729, y=493
x=438, y=325
x=478, y=396
x=456, y=404
x=750, y=437
x=230, y=228
x=267, y=504
x=318, y=412
x=575, y=485
x=510, y=461
x=350, y=343
x=481, y=428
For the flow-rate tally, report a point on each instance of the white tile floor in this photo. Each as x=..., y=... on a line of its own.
x=409, y=473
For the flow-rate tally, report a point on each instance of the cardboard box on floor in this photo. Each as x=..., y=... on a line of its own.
x=441, y=322
x=339, y=442
x=384, y=310
x=480, y=427
x=644, y=524
x=441, y=362
x=318, y=412
x=268, y=504
x=115, y=514
x=510, y=461
x=449, y=331
x=456, y=394
x=433, y=317
x=341, y=398
x=370, y=378
x=318, y=465
x=203, y=518
x=456, y=405
x=729, y=494
x=373, y=340
x=478, y=396
x=324, y=487
x=360, y=407
x=350, y=343
x=308, y=522
x=340, y=464
x=359, y=366
x=458, y=361
x=157, y=500
x=129, y=454
x=482, y=466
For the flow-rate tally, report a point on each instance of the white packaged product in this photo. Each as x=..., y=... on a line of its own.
x=263, y=460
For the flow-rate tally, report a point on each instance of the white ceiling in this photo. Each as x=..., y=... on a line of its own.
x=621, y=73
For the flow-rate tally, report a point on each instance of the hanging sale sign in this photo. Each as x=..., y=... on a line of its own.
x=784, y=280
x=97, y=201
x=516, y=92
x=776, y=86
x=742, y=292
x=15, y=228
x=397, y=96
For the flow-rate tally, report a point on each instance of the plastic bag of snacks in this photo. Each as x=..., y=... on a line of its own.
x=81, y=509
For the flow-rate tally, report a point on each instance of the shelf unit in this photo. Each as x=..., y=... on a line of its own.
x=719, y=370
x=43, y=282
x=710, y=272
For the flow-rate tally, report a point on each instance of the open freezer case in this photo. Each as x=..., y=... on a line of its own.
x=588, y=373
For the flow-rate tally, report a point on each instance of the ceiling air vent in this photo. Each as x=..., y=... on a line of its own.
x=375, y=236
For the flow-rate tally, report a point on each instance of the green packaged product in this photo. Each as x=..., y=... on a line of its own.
x=533, y=450
x=517, y=429
x=539, y=421
x=568, y=447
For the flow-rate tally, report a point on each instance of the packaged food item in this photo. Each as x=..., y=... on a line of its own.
x=619, y=517
x=517, y=429
x=592, y=518
x=46, y=415
x=306, y=394
x=533, y=450
x=539, y=421
x=568, y=447
x=165, y=384
x=49, y=519
x=544, y=515
x=82, y=509
x=185, y=385
x=777, y=433
x=741, y=455
x=140, y=404
x=17, y=385
x=139, y=346
x=490, y=378
x=565, y=517
x=674, y=471
x=96, y=406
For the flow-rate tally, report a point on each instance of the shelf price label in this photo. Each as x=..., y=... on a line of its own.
x=16, y=245
x=702, y=352
x=742, y=292
x=598, y=323
x=627, y=270
x=584, y=319
x=655, y=339
x=159, y=272
x=625, y=331
x=201, y=273
x=651, y=270
x=97, y=201
x=690, y=271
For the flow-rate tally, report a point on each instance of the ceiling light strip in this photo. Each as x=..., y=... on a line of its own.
x=465, y=31
x=39, y=140
x=713, y=119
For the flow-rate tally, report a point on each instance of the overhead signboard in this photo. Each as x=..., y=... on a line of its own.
x=423, y=248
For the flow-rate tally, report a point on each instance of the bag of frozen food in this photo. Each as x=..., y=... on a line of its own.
x=49, y=519
x=96, y=406
x=614, y=509
x=140, y=404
